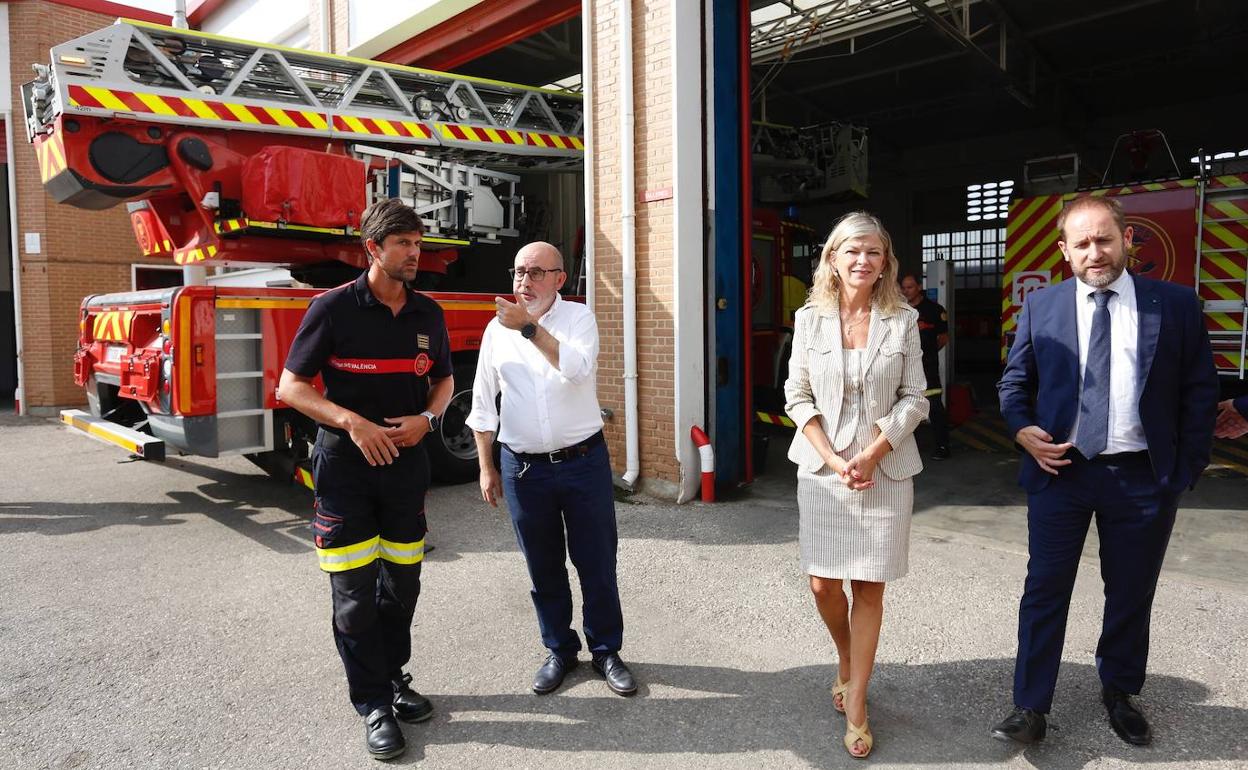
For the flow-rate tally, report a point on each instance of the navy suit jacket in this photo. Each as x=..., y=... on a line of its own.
x=1175, y=378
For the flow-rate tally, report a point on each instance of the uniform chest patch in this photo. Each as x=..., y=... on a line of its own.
x=423, y=364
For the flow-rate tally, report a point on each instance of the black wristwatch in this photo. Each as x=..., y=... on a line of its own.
x=433, y=419
x=529, y=330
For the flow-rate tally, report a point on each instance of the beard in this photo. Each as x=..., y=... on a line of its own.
x=1103, y=279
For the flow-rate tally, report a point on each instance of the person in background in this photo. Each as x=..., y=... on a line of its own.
x=933, y=336
x=855, y=392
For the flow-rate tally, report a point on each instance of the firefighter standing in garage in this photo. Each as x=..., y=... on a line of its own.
x=384, y=355
x=933, y=336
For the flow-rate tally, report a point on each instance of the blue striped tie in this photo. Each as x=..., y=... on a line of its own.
x=1094, y=401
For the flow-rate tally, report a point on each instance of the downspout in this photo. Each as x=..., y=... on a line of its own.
x=325, y=26
x=628, y=218
x=587, y=132
x=18, y=394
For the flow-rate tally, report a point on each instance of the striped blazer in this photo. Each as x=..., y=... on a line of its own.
x=893, y=384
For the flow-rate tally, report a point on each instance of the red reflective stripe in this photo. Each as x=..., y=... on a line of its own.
x=374, y=365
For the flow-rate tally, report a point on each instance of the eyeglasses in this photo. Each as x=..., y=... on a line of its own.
x=537, y=274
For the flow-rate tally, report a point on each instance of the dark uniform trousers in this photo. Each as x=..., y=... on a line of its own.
x=369, y=530
x=937, y=415
x=576, y=497
x=1134, y=516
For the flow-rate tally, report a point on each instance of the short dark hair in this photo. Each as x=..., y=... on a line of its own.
x=385, y=218
x=1092, y=202
x=911, y=276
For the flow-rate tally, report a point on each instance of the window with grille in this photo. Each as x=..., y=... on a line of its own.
x=986, y=201
x=978, y=256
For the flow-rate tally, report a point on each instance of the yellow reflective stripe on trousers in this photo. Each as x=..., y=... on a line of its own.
x=349, y=556
x=403, y=553
x=933, y=392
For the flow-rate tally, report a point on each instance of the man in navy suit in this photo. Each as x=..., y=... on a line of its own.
x=1232, y=418
x=1111, y=391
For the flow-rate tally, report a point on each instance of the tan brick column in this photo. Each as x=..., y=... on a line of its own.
x=656, y=238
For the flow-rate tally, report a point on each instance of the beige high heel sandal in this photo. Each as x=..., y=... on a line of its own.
x=855, y=733
x=838, y=691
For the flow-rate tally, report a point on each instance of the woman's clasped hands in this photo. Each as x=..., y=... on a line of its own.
x=856, y=472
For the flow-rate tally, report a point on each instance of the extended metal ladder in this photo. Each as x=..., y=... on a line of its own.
x=151, y=72
x=1222, y=266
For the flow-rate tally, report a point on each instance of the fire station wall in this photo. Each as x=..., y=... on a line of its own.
x=652, y=98
x=81, y=252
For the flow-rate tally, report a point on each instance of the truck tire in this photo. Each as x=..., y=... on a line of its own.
x=453, y=448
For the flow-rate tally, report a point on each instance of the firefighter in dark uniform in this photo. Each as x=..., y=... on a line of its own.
x=933, y=336
x=384, y=356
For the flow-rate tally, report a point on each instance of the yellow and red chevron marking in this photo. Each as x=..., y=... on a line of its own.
x=381, y=127
x=304, y=476
x=1030, y=245
x=1170, y=184
x=112, y=325
x=229, y=225
x=1228, y=180
x=50, y=151
x=774, y=419
x=557, y=141
x=1224, y=253
x=195, y=254
x=158, y=247
x=201, y=109
x=460, y=133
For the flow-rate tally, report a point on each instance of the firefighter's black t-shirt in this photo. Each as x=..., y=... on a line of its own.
x=933, y=321
x=372, y=362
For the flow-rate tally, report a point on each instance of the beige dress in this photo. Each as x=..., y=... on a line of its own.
x=847, y=534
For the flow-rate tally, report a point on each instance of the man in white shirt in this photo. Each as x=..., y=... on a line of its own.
x=1111, y=391
x=541, y=355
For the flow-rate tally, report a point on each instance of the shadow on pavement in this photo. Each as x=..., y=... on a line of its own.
x=937, y=714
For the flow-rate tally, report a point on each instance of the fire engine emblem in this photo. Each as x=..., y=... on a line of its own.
x=423, y=364
x=1152, y=250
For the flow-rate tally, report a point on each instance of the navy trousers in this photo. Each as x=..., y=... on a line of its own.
x=369, y=531
x=1134, y=516
x=562, y=510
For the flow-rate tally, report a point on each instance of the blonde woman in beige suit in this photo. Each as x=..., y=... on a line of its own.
x=855, y=391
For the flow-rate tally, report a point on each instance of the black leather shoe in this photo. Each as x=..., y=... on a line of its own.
x=1125, y=718
x=1022, y=726
x=551, y=674
x=940, y=453
x=385, y=739
x=409, y=705
x=618, y=677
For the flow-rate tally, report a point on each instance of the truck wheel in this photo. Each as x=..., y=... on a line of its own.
x=453, y=448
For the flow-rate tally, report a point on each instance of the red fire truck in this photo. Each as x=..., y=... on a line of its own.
x=232, y=153
x=1190, y=231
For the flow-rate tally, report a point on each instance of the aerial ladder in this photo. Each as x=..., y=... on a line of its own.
x=218, y=145
x=235, y=153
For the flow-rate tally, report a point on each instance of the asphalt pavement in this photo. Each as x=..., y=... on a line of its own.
x=172, y=615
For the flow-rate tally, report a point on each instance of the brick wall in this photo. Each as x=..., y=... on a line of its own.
x=652, y=99
x=83, y=252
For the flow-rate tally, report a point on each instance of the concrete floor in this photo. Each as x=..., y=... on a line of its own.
x=173, y=616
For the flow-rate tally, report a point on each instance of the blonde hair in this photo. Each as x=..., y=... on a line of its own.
x=825, y=290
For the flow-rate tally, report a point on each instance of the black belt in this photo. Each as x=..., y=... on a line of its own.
x=560, y=455
x=1117, y=458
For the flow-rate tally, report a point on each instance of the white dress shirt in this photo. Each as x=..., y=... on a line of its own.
x=543, y=408
x=1126, y=432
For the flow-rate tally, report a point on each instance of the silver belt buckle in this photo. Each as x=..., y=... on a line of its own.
x=551, y=457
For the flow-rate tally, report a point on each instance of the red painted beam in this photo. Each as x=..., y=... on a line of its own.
x=485, y=27
x=116, y=10
x=199, y=10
